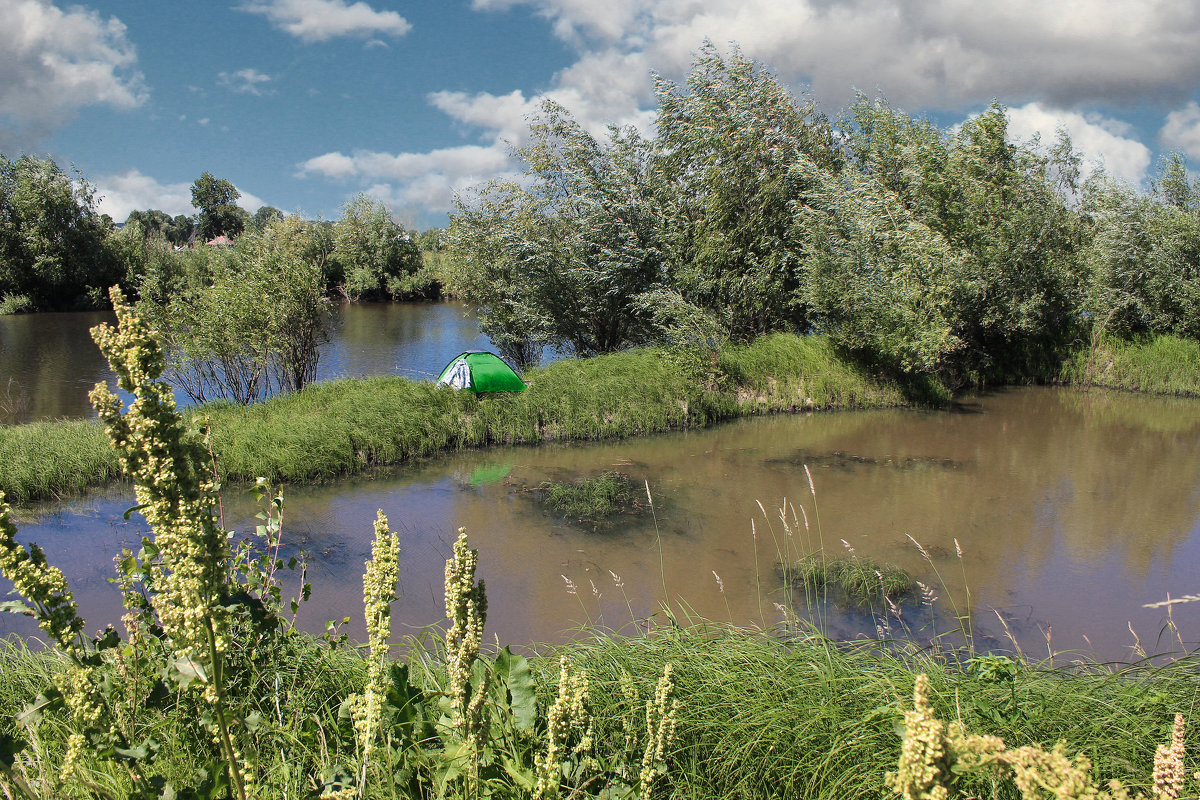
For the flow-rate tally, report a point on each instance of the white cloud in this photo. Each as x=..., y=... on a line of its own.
x=321, y=20
x=1046, y=60
x=245, y=81
x=1103, y=142
x=922, y=53
x=1182, y=130
x=53, y=62
x=132, y=191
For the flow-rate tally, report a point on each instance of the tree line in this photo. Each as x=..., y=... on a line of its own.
x=57, y=252
x=922, y=251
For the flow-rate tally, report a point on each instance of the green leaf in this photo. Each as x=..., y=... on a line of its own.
x=514, y=673
x=524, y=778
x=9, y=747
x=130, y=511
x=184, y=670
x=16, y=607
x=49, y=699
x=146, y=750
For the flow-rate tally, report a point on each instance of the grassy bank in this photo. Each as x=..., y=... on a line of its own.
x=757, y=718
x=1159, y=365
x=341, y=427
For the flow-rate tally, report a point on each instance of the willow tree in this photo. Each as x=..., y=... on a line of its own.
x=564, y=260
x=727, y=139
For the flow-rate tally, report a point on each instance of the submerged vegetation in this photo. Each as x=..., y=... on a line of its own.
x=859, y=581
x=595, y=500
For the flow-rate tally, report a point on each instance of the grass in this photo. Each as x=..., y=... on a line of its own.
x=1159, y=364
x=860, y=582
x=338, y=428
x=758, y=717
x=592, y=500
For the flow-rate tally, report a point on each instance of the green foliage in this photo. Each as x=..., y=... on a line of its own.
x=594, y=500
x=374, y=258
x=245, y=321
x=860, y=581
x=216, y=198
x=564, y=262
x=725, y=146
x=52, y=241
x=980, y=246
x=1144, y=256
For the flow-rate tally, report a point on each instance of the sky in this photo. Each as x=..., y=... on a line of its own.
x=303, y=104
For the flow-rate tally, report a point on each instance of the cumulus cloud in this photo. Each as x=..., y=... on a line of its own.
x=132, y=190
x=321, y=20
x=1045, y=60
x=245, y=81
x=923, y=53
x=1103, y=142
x=1182, y=130
x=425, y=182
x=53, y=62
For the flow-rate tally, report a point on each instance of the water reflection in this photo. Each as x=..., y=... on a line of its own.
x=1071, y=510
x=48, y=362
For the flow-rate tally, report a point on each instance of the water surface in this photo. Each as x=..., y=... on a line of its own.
x=1071, y=511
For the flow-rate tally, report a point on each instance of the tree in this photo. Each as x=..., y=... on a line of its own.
x=264, y=217
x=726, y=142
x=564, y=262
x=52, y=241
x=219, y=213
x=374, y=258
x=247, y=321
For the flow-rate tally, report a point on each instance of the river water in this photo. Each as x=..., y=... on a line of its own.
x=1071, y=511
x=48, y=362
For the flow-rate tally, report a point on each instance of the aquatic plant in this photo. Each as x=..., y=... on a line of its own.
x=860, y=581
x=593, y=500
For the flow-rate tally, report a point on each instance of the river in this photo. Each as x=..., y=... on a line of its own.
x=1071, y=511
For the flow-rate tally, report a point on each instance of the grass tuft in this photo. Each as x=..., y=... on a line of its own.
x=592, y=500
x=860, y=582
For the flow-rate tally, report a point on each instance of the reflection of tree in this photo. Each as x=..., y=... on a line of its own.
x=381, y=339
x=53, y=362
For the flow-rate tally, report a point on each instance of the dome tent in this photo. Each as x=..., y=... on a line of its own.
x=480, y=371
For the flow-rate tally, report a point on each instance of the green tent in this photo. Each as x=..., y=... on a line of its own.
x=480, y=371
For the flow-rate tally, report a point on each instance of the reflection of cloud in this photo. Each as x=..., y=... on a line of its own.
x=245, y=81
x=55, y=62
x=1102, y=142
x=320, y=20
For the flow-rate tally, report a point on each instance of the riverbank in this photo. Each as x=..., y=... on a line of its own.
x=1157, y=365
x=757, y=717
x=342, y=427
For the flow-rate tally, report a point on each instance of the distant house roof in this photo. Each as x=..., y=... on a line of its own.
x=220, y=241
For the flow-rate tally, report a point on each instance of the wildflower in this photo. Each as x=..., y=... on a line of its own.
x=660, y=729
x=567, y=716
x=1168, y=764
x=162, y=458
x=921, y=774
x=466, y=607
x=379, y=589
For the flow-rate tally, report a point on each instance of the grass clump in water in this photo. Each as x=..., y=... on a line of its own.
x=862, y=582
x=593, y=500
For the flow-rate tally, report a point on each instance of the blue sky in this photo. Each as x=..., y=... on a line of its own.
x=305, y=103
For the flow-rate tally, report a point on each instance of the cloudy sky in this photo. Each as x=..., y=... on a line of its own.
x=305, y=103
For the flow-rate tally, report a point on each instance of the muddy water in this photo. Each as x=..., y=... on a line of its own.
x=1071, y=511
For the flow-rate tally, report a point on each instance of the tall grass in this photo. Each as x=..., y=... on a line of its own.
x=1158, y=364
x=52, y=459
x=342, y=427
